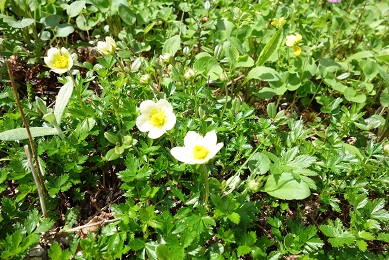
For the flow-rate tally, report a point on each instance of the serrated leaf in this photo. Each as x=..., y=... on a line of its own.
x=362, y=245
x=21, y=133
x=302, y=161
x=337, y=233
x=244, y=250
x=234, y=217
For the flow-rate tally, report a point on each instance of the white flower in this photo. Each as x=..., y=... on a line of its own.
x=197, y=149
x=165, y=58
x=155, y=118
x=59, y=60
x=107, y=47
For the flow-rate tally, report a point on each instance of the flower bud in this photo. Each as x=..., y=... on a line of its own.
x=189, y=74
x=165, y=58
x=386, y=149
x=107, y=47
x=144, y=79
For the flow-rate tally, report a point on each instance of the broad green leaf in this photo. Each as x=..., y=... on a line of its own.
x=63, y=97
x=208, y=66
x=383, y=55
x=18, y=24
x=263, y=73
x=244, y=250
x=172, y=45
x=51, y=21
x=165, y=252
x=362, y=245
x=64, y=30
x=103, y=5
x=302, y=161
x=370, y=68
x=286, y=187
x=336, y=85
x=360, y=55
x=21, y=133
x=41, y=105
x=271, y=46
x=351, y=95
x=352, y=150
x=271, y=110
x=259, y=163
x=127, y=14
x=75, y=8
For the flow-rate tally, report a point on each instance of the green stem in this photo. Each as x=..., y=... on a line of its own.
x=121, y=64
x=76, y=87
x=206, y=194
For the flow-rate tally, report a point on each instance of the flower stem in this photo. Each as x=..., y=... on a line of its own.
x=206, y=193
x=119, y=61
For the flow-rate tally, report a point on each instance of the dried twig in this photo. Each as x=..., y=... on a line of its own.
x=36, y=180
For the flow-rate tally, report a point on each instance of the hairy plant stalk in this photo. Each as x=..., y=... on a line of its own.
x=36, y=180
x=30, y=139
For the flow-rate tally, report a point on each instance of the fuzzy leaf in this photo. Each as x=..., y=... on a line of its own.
x=21, y=133
x=286, y=187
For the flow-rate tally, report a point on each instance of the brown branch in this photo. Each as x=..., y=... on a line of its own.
x=30, y=139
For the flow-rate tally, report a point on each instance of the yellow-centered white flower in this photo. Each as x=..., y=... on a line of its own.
x=197, y=149
x=155, y=118
x=107, y=47
x=59, y=60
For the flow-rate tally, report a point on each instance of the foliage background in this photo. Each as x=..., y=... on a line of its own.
x=303, y=171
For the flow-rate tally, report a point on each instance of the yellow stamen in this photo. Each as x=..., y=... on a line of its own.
x=200, y=152
x=61, y=62
x=158, y=118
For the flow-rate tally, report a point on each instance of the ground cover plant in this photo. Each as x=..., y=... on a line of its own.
x=194, y=129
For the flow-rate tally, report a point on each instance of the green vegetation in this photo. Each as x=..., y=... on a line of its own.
x=194, y=130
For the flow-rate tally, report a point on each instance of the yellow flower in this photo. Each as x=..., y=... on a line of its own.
x=278, y=23
x=292, y=40
x=107, y=47
x=197, y=149
x=155, y=118
x=59, y=60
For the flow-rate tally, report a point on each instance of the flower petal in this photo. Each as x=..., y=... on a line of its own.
x=182, y=154
x=165, y=105
x=142, y=122
x=146, y=106
x=191, y=139
x=155, y=133
x=171, y=121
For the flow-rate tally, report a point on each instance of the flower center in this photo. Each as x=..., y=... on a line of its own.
x=61, y=62
x=158, y=118
x=200, y=152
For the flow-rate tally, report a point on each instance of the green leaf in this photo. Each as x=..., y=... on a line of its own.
x=112, y=155
x=234, y=217
x=362, y=245
x=63, y=97
x=336, y=85
x=21, y=133
x=103, y=5
x=244, y=250
x=302, y=161
x=351, y=95
x=165, y=252
x=25, y=22
x=337, y=233
x=360, y=55
x=286, y=187
x=51, y=21
x=271, y=46
x=56, y=252
x=263, y=73
x=172, y=45
x=112, y=138
x=259, y=163
x=369, y=68
x=127, y=15
x=75, y=8
x=64, y=30
x=207, y=65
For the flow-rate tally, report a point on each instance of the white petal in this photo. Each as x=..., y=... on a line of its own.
x=53, y=52
x=155, y=133
x=165, y=105
x=191, y=139
x=171, y=121
x=65, y=52
x=214, y=150
x=59, y=71
x=146, y=106
x=210, y=138
x=142, y=122
x=182, y=154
